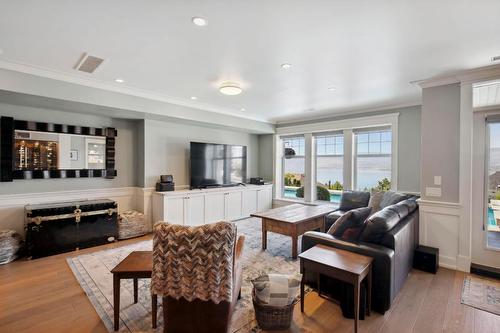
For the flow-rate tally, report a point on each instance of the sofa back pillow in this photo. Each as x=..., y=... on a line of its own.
x=375, y=200
x=354, y=199
x=377, y=225
x=391, y=198
x=353, y=219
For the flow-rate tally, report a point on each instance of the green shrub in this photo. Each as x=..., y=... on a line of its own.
x=497, y=195
x=384, y=185
x=321, y=193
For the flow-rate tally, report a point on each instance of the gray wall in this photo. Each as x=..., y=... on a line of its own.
x=167, y=149
x=266, y=157
x=440, y=151
x=126, y=152
x=408, y=144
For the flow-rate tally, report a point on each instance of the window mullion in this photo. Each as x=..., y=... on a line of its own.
x=348, y=160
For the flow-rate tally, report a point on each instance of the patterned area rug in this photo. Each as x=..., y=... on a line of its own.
x=93, y=273
x=482, y=294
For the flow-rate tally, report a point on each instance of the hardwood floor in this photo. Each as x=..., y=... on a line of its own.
x=43, y=296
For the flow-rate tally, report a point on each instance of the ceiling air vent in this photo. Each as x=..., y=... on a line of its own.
x=88, y=63
x=495, y=58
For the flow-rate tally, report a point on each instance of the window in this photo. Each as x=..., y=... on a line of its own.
x=293, y=167
x=329, y=166
x=338, y=155
x=493, y=185
x=373, y=160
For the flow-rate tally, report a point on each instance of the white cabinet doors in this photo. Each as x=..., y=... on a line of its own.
x=232, y=205
x=249, y=202
x=195, y=210
x=214, y=207
x=174, y=211
x=264, y=199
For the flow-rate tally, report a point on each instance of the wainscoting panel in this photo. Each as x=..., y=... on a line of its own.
x=12, y=205
x=440, y=228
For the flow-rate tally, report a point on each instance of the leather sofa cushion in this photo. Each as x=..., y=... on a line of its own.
x=391, y=198
x=354, y=199
x=377, y=225
x=353, y=219
x=331, y=218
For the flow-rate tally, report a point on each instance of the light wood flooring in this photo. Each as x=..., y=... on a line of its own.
x=43, y=296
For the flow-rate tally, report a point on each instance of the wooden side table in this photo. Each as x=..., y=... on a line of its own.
x=137, y=265
x=339, y=264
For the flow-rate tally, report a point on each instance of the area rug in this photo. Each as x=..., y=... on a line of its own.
x=483, y=294
x=93, y=273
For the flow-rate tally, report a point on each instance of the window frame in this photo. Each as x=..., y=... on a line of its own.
x=348, y=127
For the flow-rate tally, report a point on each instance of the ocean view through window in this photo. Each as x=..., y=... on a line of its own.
x=318, y=161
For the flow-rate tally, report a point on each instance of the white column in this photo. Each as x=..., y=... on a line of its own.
x=466, y=128
x=348, y=182
x=309, y=168
x=278, y=166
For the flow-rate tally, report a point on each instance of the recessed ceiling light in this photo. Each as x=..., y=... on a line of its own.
x=118, y=80
x=194, y=98
x=286, y=66
x=199, y=21
x=243, y=109
x=230, y=88
x=332, y=88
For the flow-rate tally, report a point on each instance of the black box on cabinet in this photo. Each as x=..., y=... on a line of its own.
x=163, y=187
x=426, y=259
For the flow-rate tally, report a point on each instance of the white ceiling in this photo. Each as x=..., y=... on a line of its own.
x=368, y=50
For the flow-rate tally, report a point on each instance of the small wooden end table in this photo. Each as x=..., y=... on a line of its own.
x=293, y=220
x=137, y=265
x=342, y=265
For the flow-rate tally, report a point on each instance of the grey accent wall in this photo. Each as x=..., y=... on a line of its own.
x=409, y=127
x=166, y=149
x=126, y=152
x=440, y=151
x=266, y=157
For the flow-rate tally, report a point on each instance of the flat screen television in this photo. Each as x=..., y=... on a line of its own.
x=214, y=165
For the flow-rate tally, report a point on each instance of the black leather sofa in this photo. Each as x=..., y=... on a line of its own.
x=390, y=236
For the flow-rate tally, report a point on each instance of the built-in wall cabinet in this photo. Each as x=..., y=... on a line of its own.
x=196, y=207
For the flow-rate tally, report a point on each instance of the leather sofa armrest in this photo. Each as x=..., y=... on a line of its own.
x=312, y=238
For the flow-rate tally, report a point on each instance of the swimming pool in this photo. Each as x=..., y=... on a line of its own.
x=292, y=193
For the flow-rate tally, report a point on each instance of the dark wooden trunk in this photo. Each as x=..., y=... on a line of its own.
x=63, y=227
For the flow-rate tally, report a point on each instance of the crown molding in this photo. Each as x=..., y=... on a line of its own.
x=332, y=116
x=467, y=76
x=122, y=89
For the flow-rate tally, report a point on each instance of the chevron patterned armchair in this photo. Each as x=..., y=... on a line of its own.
x=198, y=273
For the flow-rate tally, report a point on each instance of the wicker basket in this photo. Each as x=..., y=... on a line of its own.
x=273, y=317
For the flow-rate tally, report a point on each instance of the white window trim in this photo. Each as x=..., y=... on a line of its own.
x=346, y=125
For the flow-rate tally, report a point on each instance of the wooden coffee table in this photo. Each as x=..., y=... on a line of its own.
x=342, y=265
x=137, y=265
x=293, y=220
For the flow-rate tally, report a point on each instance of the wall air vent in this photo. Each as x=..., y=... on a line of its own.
x=88, y=63
x=495, y=58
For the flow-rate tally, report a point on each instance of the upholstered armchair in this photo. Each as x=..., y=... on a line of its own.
x=198, y=273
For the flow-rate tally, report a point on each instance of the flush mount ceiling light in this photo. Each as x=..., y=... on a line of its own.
x=194, y=98
x=199, y=21
x=286, y=66
x=243, y=109
x=230, y=88
x=332, y=88
x=118, y=80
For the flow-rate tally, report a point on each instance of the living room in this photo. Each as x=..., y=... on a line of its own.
x=230, y=167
